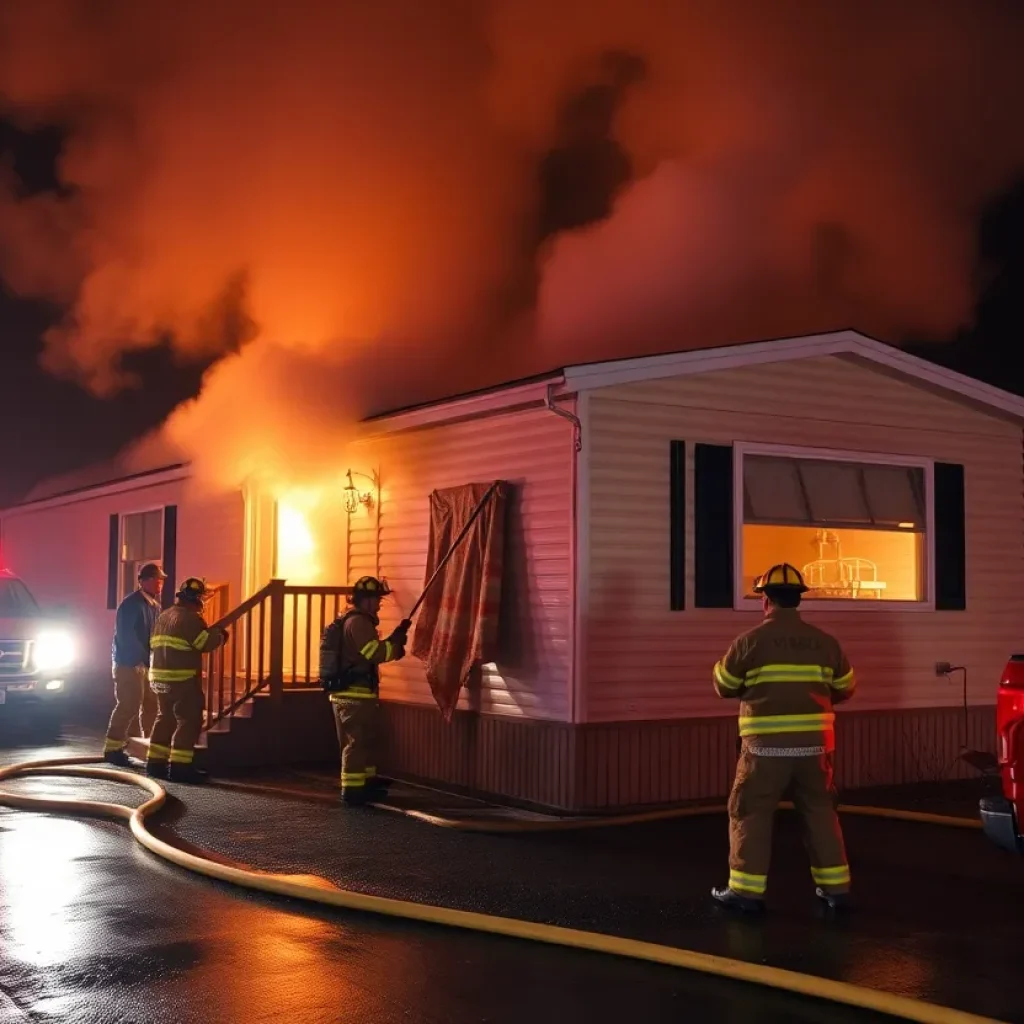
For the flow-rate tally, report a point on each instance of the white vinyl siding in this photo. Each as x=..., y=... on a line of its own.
x=644, y=661
x=533, y=452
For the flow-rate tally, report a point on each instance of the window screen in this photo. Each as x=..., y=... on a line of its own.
x=895, y=494
x=772, y=490
x=142, y=536
x=829, y=493
x=834, y=492
x=141, y=542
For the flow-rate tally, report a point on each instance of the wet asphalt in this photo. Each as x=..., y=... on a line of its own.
x=93, y=928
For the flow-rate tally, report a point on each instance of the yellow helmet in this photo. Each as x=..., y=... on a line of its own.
x=192, y=589
x=781, y=577
x=370, y=586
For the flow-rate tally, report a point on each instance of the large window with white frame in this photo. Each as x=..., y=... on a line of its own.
x=142, y=539
x=856, y=526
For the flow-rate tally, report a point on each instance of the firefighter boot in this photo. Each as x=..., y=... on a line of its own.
x=119, y=758
x=377, y=787
x=356, y=797
x=156, y=769
x=834, y=902
x=732, y=900
x=187, y=773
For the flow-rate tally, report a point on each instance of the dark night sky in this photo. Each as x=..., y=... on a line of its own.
x=53, y=426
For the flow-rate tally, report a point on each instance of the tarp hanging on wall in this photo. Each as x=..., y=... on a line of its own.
x=457, y=627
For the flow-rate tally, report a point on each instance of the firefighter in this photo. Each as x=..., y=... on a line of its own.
x=787, y=675
x=134, y=702
x=180, y=639
x=350, y=652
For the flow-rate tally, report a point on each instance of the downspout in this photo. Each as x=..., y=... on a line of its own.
x=549, y=404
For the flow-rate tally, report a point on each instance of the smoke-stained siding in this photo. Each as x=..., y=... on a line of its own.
x=531, y=450
x=644, y=661
x=61, y=551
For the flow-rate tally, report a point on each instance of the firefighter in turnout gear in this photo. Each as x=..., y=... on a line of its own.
x=787, y=675
x=179, y=641
x=350, y=652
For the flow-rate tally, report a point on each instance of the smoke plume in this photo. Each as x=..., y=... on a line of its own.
x=364, y=204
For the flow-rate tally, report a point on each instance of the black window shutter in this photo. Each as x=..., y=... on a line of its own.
x=950, y=538
x=170, y=553
x=113, y=560
x=713, y=526
x=677, y=524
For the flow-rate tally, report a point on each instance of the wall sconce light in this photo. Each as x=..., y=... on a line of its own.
x=354, y=497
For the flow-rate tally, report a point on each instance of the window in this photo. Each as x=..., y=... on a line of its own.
x=16, y=601
x=141, y=542
x=857, y=530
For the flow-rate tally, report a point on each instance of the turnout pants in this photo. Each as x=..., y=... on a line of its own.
x=357, y=724
x=179, y=721
x=761, y=782
x=134, y=706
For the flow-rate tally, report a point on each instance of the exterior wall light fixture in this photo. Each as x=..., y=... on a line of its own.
x=354, y=497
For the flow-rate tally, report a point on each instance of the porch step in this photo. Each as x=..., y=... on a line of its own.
x=298, y=731
x=244, y=710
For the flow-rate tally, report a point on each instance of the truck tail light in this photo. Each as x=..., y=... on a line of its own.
x=1013, y=674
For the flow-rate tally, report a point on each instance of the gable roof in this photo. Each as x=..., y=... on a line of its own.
x=53, y=492
x=582, y=377
x=133, y=466
x=81, y=479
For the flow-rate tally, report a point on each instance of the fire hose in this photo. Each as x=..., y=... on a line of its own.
x=314, y=889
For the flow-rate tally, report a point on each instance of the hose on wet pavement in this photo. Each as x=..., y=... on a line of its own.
x=553, y=823
x=644, y=817
x=312, y=888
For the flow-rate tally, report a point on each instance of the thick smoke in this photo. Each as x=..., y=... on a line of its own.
x=365, y=204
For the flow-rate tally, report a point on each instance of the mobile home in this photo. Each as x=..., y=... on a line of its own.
x=645, y=496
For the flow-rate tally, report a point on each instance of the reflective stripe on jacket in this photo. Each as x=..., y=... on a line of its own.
x=362, y=650
x=787, y=675
x=179, y=641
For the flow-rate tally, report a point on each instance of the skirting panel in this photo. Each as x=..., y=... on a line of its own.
x=517, y=759
x=634, y=764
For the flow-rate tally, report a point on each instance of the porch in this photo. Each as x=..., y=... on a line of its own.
x=264, y=704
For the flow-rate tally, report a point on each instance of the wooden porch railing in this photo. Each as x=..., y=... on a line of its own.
x=273, y=644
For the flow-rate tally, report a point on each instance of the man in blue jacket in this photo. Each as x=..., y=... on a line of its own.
x=135, y=702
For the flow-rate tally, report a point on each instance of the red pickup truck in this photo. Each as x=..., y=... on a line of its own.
x=1002, y=817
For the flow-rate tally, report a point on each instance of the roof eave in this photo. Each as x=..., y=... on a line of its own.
x=133, y=482
x=844, y=344
x=469, y=407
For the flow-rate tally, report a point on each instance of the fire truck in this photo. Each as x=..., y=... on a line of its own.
x=1002, y=817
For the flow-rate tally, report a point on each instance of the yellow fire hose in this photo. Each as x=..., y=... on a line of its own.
x=577, y=823
x=312, y=888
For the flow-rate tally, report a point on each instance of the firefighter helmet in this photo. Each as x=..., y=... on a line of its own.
x=780, y=577
x=370, y=586
x=192, y=589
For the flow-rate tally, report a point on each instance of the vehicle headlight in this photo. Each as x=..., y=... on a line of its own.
x=54, y=650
